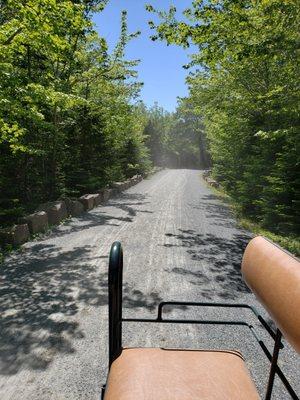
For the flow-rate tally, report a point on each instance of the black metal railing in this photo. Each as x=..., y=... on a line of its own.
x=115, y=282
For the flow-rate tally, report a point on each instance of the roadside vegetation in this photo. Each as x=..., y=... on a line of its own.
x=244, y=85
x=290, y=242
x=71, y=120
x=67, y=120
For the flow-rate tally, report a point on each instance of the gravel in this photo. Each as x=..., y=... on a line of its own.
x=180, y=243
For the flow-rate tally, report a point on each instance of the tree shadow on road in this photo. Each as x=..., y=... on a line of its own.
x=216, y=269
x=216, y=210
x=129, y=203
x=39, y=296
x=133, y=298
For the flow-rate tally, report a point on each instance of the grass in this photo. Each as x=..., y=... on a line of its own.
x=290, y=243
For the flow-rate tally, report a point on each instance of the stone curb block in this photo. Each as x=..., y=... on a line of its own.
x=118, y=186
x=212, y=182
x=106, y=194
x=56, y=211
x=127, y=184
x=74, y=207
x=88, y=201
x=134, y=179
x=15, y=235
x=206, y=173
x=97, y=199
x=37, y=222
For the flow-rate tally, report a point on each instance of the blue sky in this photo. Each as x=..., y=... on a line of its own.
x=161, y=65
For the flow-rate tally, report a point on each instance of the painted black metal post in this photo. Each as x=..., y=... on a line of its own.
x=115, y=282
x=273, y=364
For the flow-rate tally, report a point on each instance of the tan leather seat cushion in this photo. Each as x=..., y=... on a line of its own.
x=162, y=374
x=274, y=276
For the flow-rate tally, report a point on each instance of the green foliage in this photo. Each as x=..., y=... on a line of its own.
x=290, y=242
x=176, y=139
x=69, y=121
x=246, y=87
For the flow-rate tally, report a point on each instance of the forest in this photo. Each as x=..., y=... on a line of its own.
x=71, y=119
x=244, y=85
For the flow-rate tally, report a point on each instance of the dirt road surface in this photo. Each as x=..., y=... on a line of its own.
x=180, y=243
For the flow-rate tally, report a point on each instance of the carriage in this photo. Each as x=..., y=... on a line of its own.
x=182, y=374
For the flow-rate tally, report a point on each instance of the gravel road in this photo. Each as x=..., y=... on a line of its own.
x=180, y=243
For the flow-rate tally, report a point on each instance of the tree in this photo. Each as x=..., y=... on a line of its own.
x=68, y=107
x=176, y=139
x=246, y=87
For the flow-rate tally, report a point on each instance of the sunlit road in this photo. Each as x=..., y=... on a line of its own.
x=180, y=243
